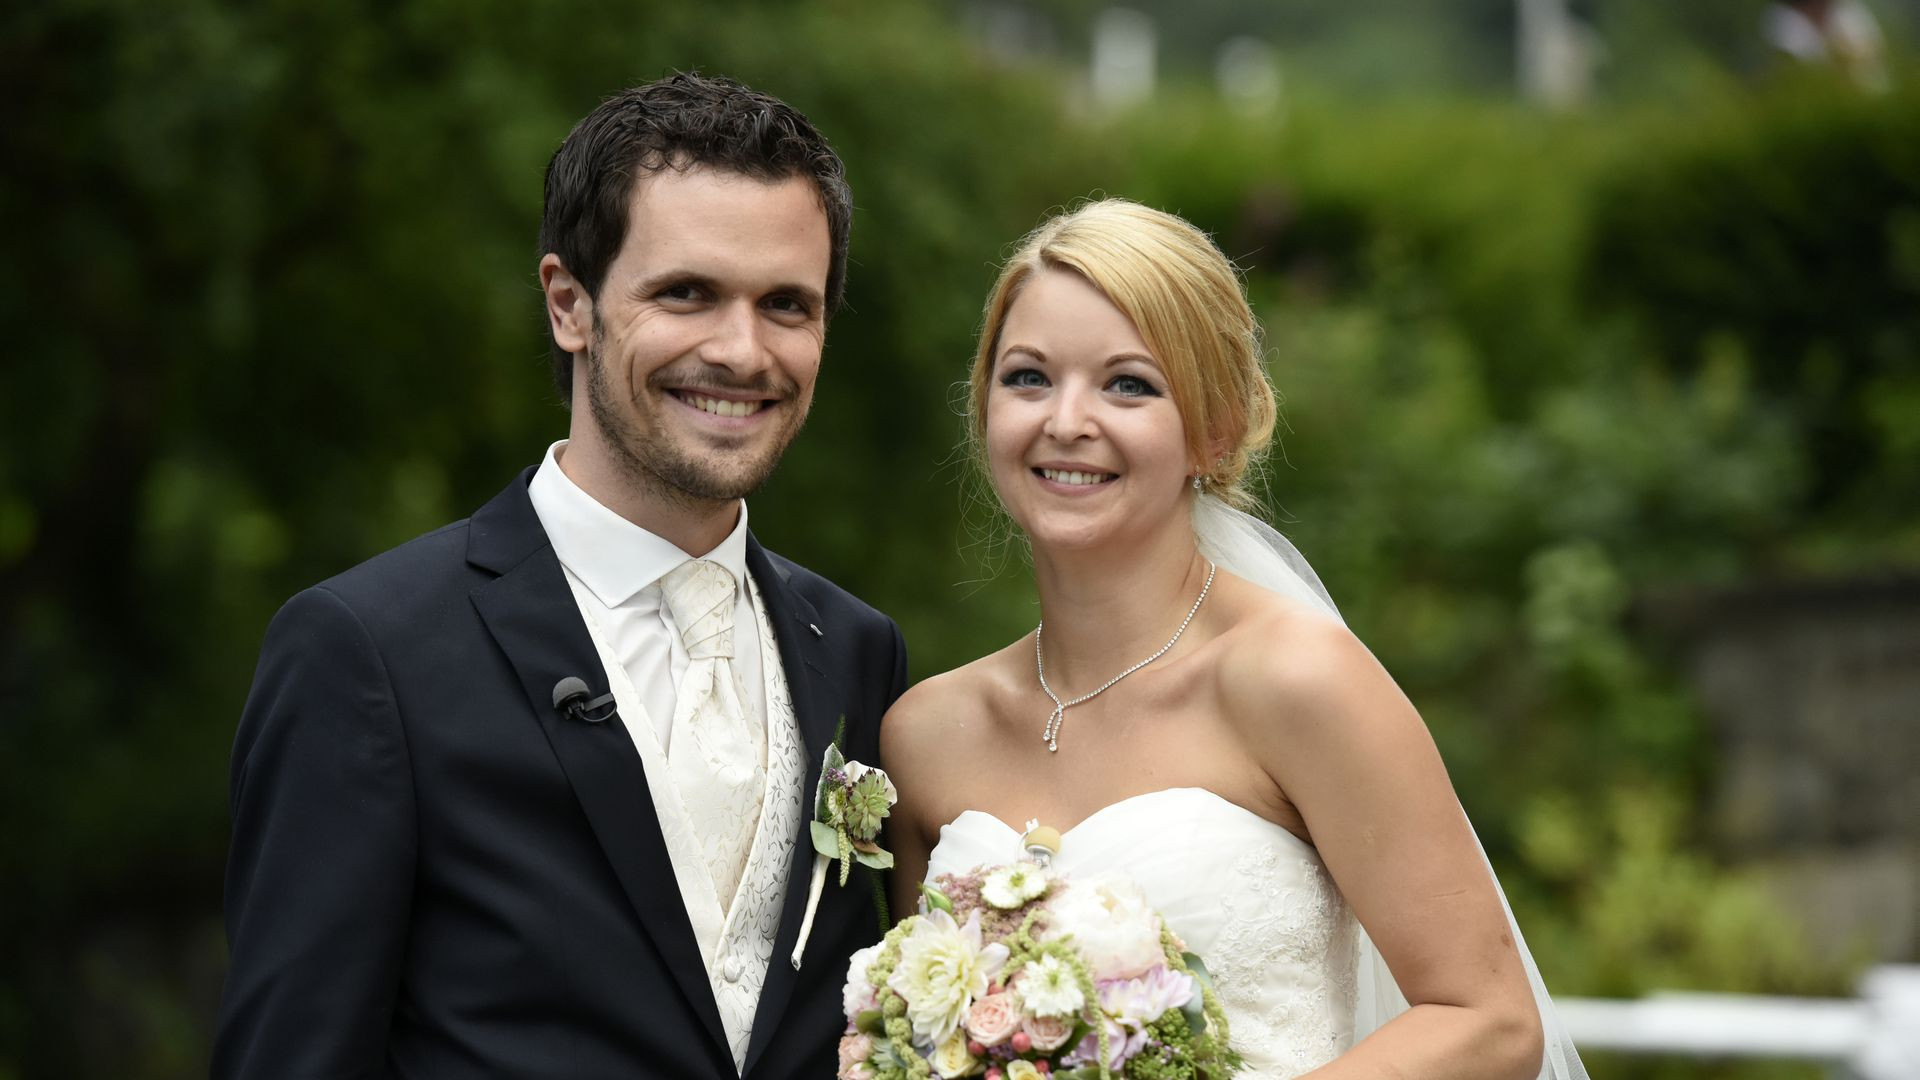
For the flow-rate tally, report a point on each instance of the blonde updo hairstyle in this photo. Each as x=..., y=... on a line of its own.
x=1185, y=299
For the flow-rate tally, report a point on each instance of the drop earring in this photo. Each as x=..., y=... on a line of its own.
x=1196, y=481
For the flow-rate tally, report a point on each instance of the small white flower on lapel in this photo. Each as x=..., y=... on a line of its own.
x=849, y=807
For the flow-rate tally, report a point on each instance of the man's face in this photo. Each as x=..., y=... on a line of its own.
x=708, y=329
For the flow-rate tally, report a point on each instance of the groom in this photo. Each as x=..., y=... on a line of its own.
x=446, y=865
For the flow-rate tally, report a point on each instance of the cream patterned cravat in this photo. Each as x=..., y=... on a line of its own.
x=717, y=753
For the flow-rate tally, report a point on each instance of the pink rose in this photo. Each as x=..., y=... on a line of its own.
x=1049, y=1033
x=854, y=1052
x=993, y=1019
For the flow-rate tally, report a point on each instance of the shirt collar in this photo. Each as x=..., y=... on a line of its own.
x=613, y=557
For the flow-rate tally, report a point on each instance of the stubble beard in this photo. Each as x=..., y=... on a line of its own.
x=655, y=463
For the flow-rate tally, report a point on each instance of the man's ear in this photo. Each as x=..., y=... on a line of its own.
x=569, y=308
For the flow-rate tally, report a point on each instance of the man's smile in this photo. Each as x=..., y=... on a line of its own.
x=719, y=406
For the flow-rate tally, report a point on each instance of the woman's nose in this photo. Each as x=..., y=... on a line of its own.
x=1069, y=418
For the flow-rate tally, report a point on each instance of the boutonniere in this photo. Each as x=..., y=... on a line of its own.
x=849, y=806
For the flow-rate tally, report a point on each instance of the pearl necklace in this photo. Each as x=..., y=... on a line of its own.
x=1051, y=733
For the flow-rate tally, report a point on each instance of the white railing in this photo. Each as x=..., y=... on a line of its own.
x=1873, y=1037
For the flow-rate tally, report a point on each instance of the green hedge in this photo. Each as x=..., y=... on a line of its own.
x=272, y=310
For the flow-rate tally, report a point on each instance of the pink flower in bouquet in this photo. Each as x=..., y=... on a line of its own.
x=994, y=1018
x=1130, y=1005
x=1049, y=1033
x=1112, y=926
x=1124, y=1040
x=854, y=1052
x=1147, y=998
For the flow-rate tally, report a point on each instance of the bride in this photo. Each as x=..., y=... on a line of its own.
x=1190, y=711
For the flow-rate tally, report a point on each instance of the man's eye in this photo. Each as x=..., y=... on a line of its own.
x=1023, y=378
x=681, y=293
x=1133, y=386
x=787, y=304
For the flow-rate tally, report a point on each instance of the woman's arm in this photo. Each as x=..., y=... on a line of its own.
x=1349, y=751
x=909, y=751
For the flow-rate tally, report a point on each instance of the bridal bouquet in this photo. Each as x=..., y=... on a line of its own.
x=1015, y=973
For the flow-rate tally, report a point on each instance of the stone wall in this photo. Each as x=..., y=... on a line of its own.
x=1813, y=693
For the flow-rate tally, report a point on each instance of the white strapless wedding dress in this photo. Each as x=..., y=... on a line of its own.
x=1295, y=972
x=1252, y=899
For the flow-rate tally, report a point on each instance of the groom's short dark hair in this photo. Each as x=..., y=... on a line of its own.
x=682, y=121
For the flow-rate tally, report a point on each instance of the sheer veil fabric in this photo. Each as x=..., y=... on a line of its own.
x=1254, y=551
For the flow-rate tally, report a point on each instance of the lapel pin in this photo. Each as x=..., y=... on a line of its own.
x=816, y=630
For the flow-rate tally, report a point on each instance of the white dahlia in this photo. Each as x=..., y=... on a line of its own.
x=942, y=968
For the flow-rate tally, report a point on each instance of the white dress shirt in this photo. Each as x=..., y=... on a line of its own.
x=615, y=569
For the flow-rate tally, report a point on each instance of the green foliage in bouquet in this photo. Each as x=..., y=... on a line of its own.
x=1190, y=1041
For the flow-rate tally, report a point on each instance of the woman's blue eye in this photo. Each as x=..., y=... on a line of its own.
x=1133, y=386
x=1023, y=377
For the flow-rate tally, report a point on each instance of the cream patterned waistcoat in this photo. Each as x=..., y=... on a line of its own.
x=736, y=940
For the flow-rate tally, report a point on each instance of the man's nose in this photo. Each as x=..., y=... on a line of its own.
x=737, y=342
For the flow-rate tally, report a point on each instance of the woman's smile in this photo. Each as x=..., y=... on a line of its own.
x=1084, y=443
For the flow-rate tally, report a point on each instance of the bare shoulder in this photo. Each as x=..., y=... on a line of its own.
x=935, y=711
x=936, y=726
x=1286, y=668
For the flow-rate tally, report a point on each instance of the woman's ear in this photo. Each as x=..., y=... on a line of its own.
x=569, y=308
x=1217, y=447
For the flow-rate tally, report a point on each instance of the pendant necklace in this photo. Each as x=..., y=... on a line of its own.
x=1051, y=733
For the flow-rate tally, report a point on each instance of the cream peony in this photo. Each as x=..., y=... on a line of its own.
x=1019, y=1069
x=1112, y=926
x=942, y=968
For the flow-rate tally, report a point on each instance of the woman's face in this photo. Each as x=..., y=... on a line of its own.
x=1084, y=442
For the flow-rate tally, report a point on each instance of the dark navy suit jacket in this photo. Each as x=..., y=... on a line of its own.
x=434, y=874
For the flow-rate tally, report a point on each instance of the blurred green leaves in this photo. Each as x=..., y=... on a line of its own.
x=272, y=310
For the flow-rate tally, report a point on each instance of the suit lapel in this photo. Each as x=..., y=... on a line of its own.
x=530, y=612
x=803, y=656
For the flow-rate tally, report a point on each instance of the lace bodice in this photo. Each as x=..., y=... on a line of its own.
x=1253, y=900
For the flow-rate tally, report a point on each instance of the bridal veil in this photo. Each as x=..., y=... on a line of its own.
x=1253, y=550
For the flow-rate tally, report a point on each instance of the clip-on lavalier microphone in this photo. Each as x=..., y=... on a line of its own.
x=570, y=697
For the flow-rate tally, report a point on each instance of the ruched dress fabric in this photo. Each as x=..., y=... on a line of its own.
x=1250, y=898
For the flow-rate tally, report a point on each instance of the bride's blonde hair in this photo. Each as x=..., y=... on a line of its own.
x=1185, y=299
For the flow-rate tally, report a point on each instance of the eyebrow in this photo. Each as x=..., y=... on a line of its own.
x=806, y=294
x=1112, y=361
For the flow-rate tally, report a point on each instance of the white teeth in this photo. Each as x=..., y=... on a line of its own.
x=1076, y=478
x=719, y=407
